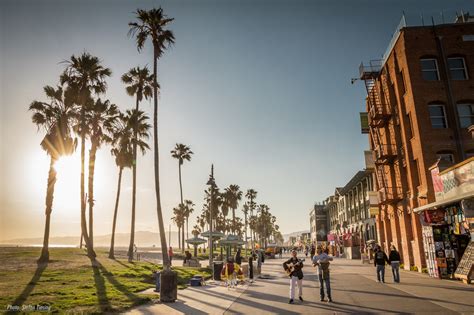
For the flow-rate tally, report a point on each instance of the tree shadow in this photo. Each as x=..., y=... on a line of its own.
x=104, y=303
x=29, y=287
x=103, y=272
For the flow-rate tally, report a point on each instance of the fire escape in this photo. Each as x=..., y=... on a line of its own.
x=379, y=118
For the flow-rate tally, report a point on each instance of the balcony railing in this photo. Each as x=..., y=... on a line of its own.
x=384, y=153
x=388, y=195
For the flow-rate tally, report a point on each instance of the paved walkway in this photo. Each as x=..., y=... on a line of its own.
x=354, y=290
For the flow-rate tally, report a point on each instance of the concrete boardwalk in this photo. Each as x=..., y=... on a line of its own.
x=354, y=290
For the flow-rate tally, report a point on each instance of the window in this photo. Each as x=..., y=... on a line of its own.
x=410, y=127
x=404, y=89
x=429, y=69
x=457, y=68
x=438, y=116
x=446, y=157
x=466, y=115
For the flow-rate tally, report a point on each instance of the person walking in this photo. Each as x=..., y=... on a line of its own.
x=321, y=262
x=293, y=268
x=380, y=258
x=394, y=258
x=170, y=254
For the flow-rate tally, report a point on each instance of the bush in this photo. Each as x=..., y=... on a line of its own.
x=424, y=270
x=413, y=268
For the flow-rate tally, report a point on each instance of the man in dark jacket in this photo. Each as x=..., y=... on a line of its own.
x=380, y=258
x=293, y=267
x=394, y=258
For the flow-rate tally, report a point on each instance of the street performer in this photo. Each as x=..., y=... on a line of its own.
x=293, y=268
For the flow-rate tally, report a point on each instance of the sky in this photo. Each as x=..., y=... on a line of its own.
x=261, y=89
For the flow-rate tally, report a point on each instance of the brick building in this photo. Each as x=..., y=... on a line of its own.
x=420, y=103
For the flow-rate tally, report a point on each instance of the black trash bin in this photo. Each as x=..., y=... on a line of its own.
x=217, y=269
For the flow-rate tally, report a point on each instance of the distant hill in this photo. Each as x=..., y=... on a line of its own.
x=142, y=239
x=287, y=236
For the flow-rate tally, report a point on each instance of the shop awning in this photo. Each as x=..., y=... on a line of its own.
x=445, y=202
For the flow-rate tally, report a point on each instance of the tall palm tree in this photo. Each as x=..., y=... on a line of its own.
x=179, y=219
x=123, y=152
x=235, y=196
x=251, y=195
x=188, y=209
x=56, y=119
x=181, y=152
x=138, y=122
x=84, y=76
x=139, y=83
x=225, y=206
x=100, y=118
x=245, y=210
x=153, y=24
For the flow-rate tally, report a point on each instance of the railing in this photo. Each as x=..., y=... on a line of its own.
x=374, y=66
x=385, y=151
x=390, y=194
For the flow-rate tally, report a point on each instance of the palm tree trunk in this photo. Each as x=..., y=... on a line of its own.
x=246, y=242
x=187, y=229
x=182, y=235
x=49, y=207
x=233, y=220
x=134, y=191
x=90, y=182
x=112, y=240
x=179, y=236
x=164, y=251
x=90, y=251
x=180, y=183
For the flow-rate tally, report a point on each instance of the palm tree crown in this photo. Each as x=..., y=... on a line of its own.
x=139, y=82
x=181, y=152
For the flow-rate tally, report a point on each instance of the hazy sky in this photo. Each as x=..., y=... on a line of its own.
x=259, y=88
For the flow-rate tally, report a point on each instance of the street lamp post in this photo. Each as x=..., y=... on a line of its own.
x=212, y=183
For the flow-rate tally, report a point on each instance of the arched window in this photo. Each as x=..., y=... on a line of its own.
x=466, y=113
x=457, y=68
x=446, y=157
x=438, y=115
x=429, y=68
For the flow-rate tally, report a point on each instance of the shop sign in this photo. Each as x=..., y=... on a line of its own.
x=374, y=211
x=434, y=216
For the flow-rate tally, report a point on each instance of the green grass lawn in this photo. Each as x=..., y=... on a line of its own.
x=69, y=282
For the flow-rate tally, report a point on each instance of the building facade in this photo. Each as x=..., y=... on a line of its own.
x=318, y=219
x=420, y=102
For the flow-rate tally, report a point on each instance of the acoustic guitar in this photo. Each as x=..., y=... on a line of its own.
x=294, y=266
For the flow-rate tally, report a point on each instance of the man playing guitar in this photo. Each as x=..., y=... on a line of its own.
x=293, y=268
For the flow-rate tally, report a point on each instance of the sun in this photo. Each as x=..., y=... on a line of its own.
x=67, y=188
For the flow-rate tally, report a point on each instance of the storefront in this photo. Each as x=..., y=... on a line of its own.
x=448, y=223
x=445, y=238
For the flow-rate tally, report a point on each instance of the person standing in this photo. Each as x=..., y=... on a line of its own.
x=293, y=267
x=394, y=258
x=380, y=258
x=321, y=262
x=170, y=254
x=238, y=257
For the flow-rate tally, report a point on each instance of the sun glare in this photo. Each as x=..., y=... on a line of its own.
x=67, y=187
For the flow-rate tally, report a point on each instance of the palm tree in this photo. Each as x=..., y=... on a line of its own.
x=152, y=24
x=234, y=196
x=181, y=152
x=123, y=152
x=138, y=123
x=84, y=76
x=245, y=210
x=56, y=119
x=179, y=219
x=99, y=121
x=251, y=195
x=188, y=209
x=139, y=84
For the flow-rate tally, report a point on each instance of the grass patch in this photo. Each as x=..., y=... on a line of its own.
x=70, y=282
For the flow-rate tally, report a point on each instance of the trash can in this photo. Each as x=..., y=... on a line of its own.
x=217, y=269
x=157, y=275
